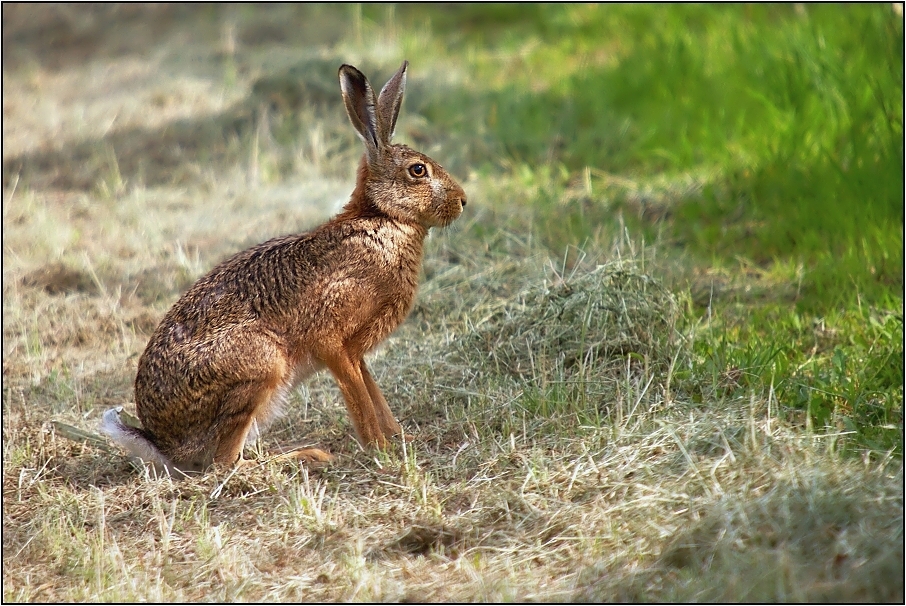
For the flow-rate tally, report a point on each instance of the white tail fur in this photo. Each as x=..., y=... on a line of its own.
x=133, y=441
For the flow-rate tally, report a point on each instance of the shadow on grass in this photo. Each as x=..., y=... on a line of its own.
x=56, y=38
x=796, y=543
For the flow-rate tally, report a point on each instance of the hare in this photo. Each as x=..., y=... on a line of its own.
x=226, y=355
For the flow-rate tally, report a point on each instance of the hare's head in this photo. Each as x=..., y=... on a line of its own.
x=395, y=179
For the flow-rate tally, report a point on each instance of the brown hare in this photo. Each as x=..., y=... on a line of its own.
x=225, y=356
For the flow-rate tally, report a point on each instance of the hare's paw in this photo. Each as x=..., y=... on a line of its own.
x=314, y=457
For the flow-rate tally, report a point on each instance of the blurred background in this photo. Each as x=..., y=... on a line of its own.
x=768, y=133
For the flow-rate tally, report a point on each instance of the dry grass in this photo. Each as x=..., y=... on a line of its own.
x=558, y=453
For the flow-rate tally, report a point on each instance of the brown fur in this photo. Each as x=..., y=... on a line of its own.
x=231, y=348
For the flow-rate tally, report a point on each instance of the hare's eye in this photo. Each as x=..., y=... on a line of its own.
x=418, y=170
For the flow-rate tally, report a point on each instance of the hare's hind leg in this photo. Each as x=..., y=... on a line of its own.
x=348, y=373
x=241, y=407
x=251, y=384
x=389, y=425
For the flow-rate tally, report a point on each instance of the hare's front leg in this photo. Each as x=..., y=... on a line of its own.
x=349, y=376
x=389, y=425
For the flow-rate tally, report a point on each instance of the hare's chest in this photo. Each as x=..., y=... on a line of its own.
x=362, y=310
x=386, y=312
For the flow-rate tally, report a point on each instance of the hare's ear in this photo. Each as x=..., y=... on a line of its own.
x=360, y=106
x=389, y=103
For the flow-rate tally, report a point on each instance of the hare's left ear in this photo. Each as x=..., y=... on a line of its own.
x=389, y=103
x=358, y=96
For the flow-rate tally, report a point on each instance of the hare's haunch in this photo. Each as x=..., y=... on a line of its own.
x=227, y=353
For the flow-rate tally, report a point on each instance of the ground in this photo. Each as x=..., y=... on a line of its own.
x=587, y=425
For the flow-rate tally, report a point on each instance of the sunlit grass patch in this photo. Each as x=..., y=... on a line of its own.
x=795, y=115
x=843, y=372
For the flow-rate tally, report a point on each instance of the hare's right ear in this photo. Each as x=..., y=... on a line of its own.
x=360, y=106
x=389, y=102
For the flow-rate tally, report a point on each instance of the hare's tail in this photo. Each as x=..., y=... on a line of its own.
x=135, y=441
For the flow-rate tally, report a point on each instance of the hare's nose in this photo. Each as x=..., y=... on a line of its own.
x=456, y=193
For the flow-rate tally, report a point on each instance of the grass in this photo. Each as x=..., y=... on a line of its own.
x=792, y=121
x=747, y=137
x=659, y=358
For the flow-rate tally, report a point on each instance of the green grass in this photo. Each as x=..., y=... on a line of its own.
x=796, y=119
x=763, y=136
x=844, y=371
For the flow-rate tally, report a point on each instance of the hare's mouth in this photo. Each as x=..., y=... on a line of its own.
x=445, y=219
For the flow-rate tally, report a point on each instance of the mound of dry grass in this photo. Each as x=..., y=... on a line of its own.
x=577, y=323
